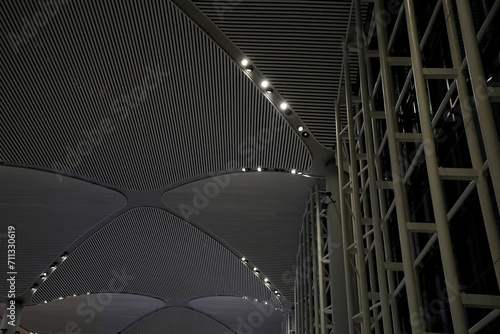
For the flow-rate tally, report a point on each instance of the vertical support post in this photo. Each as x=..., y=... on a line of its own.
x=299, y=281
x=338, y=284
x=481, y=97
x=356, y=219
x=344, y=215
x=374, y=200
x=312, y=258
x=319, y=253
x=416, y=319
x=438, y=204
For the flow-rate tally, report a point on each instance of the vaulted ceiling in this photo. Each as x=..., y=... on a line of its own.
x=147, y=173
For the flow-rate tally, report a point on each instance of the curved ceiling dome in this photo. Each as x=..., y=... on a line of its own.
x=257, y=214
x=177, y=320
x=132, y=94
x=88, y=314
x=48, y=215
x=149, y=251
x=242, y=315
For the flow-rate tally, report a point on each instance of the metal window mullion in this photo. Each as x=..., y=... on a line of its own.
x=417, y=323
x=356, y=219
x=438, y=203
x=344, y=221
x=472, y=141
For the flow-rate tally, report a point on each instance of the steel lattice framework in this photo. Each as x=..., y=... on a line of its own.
x=382, y=276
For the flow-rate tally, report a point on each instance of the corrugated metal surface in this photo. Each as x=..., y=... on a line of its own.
x=178, y=320
x=133, y=94
x=257, y=214
x=48, y=216
x=156, y=254
x=297, y=45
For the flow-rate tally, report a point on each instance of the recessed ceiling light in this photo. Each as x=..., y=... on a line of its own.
x=300, y=173
x=60, y=298
x=264, y=83
x=294, y=171
x=45, y=301
x=243, y=259
x=255, y=269
x=300, y=128
x=305, y=134
x=243, y=169
x=269, y=90
x=259, y=169
x=244, y=62
x=276, y=291
x=249, y=68
x=266, y=280
x=283, y=106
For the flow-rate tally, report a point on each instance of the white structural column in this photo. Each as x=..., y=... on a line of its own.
x=438, y=203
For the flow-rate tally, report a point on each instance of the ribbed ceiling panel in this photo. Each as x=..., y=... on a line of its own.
x=162, y=255
x=178, y=320
x=133, y=94
x=258, y=214
x=297, y=46
x=48, y=216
